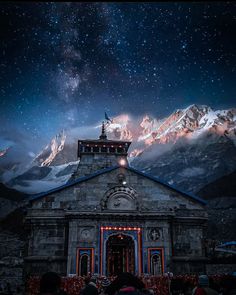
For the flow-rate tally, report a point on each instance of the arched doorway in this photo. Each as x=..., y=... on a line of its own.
x=120, y=256
x=84, y=265
x=156, y=265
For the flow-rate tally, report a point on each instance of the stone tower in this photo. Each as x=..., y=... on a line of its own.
x=100, y=153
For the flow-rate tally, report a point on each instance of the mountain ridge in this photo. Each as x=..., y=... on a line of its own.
x=174, y=148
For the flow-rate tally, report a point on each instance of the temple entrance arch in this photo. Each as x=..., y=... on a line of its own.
x=120, y=254
x=131, y=238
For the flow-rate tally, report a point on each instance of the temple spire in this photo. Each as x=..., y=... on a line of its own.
x=103, y=134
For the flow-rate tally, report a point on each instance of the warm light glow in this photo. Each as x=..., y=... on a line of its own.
x=120, y=228
x=122, y=162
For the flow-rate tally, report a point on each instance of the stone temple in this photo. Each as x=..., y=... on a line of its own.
x=110, y=218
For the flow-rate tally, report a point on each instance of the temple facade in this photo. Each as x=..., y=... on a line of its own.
x=111, y=218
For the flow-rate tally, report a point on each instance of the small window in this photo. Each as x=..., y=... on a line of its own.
x=156, y=265
x=84, y=267
x=112, y=150
x=120, y=150
x=87, y=149
x=104, y=149
x=95, y=149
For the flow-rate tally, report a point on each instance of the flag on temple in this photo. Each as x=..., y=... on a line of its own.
x=107, y=118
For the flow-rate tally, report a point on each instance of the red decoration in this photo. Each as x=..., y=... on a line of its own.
x=159, y=284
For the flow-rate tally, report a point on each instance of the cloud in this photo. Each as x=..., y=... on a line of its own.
x=31, y=154
x=21, y=147
x=83, y=132
x=192, y=171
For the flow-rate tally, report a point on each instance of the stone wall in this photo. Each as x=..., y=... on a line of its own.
x=47, y=242
x=88, y=195
x=11, y=260
x=57, y=221
x=212, y=269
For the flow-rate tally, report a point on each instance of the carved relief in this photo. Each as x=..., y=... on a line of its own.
x=154, y=234
x=120, y=198
x=121, y=202
x=86, y=234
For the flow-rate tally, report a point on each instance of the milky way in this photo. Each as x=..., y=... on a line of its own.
x=64, y=64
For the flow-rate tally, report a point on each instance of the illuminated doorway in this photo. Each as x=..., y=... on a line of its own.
x=120, y=252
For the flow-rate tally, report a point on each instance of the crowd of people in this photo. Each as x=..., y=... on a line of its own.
x=128, y=284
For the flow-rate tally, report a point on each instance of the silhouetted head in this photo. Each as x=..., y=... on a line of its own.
x=125, y=279
x=105, y=282
x=203, y=281
x=50, y=283
x=86, y=280
x=177, y=285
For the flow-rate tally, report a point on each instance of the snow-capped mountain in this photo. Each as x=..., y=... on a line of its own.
x=189, y=148
x=121, y=128
x=189, y=165
x=43, y=178
x=189, y=123
x=48, y=154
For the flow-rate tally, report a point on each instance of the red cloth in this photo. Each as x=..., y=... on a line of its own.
x=127, y=289
x=200, y=291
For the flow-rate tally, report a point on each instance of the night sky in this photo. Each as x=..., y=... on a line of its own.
x=63, y=64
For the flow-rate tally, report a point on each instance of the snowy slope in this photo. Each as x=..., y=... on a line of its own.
x=46, y=156
x=39, y=179
x=187, y=148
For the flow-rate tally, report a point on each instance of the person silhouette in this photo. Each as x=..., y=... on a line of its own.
x=50, y=284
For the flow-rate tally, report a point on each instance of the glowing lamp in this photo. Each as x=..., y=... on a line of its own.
x=122, y=162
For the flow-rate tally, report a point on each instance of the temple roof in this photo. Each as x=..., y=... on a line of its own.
x=106, y=170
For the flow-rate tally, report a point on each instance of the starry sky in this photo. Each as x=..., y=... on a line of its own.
x=63, y=64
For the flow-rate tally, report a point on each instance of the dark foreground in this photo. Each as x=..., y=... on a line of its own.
x=158, y=285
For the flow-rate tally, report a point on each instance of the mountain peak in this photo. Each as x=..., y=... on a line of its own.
x=48, y=154
x=151, y=137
